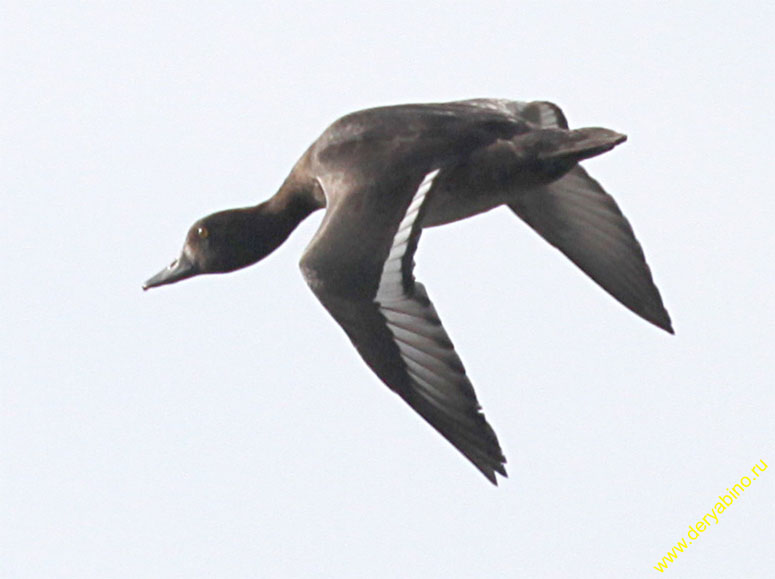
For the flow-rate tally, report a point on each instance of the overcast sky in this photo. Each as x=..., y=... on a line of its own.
x=225, y=427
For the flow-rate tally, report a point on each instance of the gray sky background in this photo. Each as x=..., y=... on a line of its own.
x=225, y=427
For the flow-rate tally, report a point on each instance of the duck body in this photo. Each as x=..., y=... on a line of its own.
x=383, y=175
x=487, y=149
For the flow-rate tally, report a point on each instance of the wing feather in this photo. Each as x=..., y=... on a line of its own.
x=579, y=218
x=400, y=336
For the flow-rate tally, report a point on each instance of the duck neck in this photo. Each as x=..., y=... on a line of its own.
x=270, y=223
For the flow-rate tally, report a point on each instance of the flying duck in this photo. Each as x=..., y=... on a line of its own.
x=384, y=174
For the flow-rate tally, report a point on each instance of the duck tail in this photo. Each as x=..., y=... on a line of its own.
x=578, y=144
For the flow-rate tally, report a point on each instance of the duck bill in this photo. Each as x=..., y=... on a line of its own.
x=179, y=269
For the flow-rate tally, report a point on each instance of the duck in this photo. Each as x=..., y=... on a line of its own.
x=383, y=175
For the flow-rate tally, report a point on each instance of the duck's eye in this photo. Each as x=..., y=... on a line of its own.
x=202, y=232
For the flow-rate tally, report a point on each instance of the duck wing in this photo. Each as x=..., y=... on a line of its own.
x=541, y=113
x=577, y=216
x=361, y=269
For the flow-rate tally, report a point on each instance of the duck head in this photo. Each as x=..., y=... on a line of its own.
x=224, y=242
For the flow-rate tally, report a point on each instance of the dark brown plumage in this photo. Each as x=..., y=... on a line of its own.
x=383, y=175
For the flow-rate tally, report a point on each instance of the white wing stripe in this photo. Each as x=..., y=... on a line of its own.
x=430, y=356
x=422, y=342
x=416, y=332
x=444, y=379
x=401, y=237
x=389, y=286
x=407, y=319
